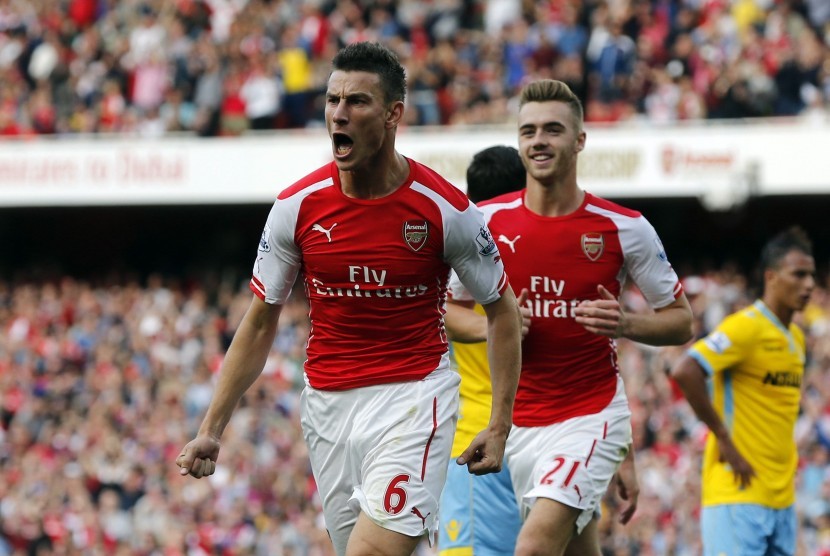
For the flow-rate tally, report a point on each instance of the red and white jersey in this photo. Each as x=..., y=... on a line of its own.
x=566, y=370
x=375, y=272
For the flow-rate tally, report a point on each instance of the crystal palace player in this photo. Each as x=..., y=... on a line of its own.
x=374, y=235
x=754, y=361
x=573, y=251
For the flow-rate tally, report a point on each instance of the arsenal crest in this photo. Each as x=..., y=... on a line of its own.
x=415, y=234
x=593, y=245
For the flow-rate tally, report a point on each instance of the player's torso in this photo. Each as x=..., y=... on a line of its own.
x=375, y=253
x=769, y=380
x=759, y=400
x=560, y=261
x=375, y=273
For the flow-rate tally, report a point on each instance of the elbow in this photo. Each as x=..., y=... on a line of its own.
x=676, y=373
x=687, y=333
x=685, y=328
x=686, y=371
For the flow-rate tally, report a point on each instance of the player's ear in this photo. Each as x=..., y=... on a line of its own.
x=394, y=114
x=580, y=142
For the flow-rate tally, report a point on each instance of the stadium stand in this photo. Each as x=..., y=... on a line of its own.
x=100, y=385
x=213, y=67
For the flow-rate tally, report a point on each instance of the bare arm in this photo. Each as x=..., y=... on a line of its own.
x=463, y=324
x=669, y=325
x=690, y=377
x=466, y=326
x=484, y=455
x=242, y=365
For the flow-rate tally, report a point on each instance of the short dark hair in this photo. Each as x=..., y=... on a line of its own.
x=495, y=171
x=791, y=239
x=551, y=90
x=374, y=58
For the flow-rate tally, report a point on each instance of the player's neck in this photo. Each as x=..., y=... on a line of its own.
x=378, y=178
x=780, y=310
x=559, y=199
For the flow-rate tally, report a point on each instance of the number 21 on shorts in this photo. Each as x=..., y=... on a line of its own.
x=561, y=466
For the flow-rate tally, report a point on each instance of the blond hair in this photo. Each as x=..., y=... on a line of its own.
x=551, y=90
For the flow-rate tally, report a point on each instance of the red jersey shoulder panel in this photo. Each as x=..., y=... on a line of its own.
x=430, y=178
x=610, y=206
x=318, y=175
x=505, y=198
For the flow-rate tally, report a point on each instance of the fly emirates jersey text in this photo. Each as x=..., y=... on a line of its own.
x=566, y=370
x=375, y=273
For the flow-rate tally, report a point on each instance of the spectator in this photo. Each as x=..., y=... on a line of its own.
x=81, y=363
x=741, y=56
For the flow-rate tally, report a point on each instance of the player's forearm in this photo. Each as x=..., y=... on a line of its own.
x=504, y=353
x=670, y=325
x=690, y=377
x=243, y=363
x=464, y=324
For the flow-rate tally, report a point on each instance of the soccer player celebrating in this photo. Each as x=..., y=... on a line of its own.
x=374, y=235
x=755, y=360
x=573, y=252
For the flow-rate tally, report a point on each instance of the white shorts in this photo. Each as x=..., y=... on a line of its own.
x=382, y=450
x=571, y=462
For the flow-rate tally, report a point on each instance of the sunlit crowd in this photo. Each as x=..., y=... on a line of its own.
x=101, y=385
x=227, y=67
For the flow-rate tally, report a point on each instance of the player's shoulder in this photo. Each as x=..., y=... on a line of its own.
x=507, y=201
x=745, y=322
x=323, y=174
x=610, y=208
x=433, y=181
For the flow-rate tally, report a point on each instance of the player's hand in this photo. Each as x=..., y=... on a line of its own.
x=485, y=453
x=522, y=299
x=742, y=469
x=198, y=457
x=628, y=488
x=603, y=316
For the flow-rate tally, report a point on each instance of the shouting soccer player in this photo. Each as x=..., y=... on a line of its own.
x=374, y=235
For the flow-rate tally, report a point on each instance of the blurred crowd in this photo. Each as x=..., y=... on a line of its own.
x=101, y=385
x=224, y=67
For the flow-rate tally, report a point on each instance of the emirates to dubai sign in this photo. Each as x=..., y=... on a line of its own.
x=721, y=162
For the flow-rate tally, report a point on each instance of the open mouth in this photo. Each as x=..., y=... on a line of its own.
x=342, y=144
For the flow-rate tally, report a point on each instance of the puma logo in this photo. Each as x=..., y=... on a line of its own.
x=319, y=228
x=417, y=512
x=511, y=242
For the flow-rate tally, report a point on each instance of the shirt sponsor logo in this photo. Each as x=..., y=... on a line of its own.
x=593, y=244
x=546, y=299
x=783, y=378
x=415, y=234
x=718, y=342
x=365, y=282
x=264, y=246
x=486, y=245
